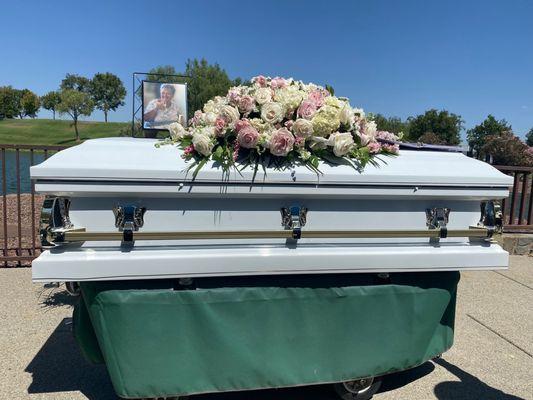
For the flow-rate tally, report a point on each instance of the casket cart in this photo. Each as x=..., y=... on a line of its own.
x=247, y=280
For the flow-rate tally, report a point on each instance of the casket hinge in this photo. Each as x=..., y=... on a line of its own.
x=128, y=219
x=437, y=218
x=294, y=218
x=490, y=218
x=54, y=221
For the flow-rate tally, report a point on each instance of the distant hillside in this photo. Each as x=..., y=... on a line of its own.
x=50, y=132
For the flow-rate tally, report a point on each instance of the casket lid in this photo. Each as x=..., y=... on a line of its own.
x=129, y=159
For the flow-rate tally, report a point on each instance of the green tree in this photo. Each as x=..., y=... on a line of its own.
x=75, y=103
x=163, y=73
x=445, y=125
x=108, y=92
x=50, y=101
x=76, y=82
x=391, y=124
x=507, y=149
x=30, y=103
x=205, y=82
x=9, y=102
x=478, y=135
x=529, y=138
x=430, y=138
x=18, y=95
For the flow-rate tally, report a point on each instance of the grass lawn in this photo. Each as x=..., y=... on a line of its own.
x=58, y=132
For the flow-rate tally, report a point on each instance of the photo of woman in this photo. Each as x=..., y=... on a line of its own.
x=163, y=104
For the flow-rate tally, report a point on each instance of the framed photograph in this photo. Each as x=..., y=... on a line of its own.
x=163, y=104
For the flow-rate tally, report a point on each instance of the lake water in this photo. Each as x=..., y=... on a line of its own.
x=11, y=170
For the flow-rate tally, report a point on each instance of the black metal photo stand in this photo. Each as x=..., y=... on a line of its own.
x=137, y=105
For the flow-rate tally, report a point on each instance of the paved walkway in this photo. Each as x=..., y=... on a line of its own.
x=492, y=358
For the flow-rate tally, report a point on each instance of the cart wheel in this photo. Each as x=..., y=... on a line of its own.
x=359, y=389
x=73, y=288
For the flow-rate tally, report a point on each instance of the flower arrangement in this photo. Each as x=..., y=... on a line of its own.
x=279, y=122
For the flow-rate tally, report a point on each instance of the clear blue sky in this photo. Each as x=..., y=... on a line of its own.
x=398, y=58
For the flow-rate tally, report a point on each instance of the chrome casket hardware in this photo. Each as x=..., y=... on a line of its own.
x=437, y=218
x=54, y=220
x=294, y=218
x=128, y=219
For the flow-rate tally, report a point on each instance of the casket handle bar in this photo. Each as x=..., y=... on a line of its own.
x=80, y=235
x=56, y=228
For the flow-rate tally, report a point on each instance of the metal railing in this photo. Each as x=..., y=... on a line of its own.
x=19, y=206
x=518, y=208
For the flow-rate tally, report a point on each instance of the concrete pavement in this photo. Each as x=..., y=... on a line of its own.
x=492, y=358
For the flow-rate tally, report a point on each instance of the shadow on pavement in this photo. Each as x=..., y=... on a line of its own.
x=470, y=387
x=400, y=379
x=59, y=366
x=55, y=297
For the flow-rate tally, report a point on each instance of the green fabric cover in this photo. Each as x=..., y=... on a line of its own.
x=234, y=334
x=84, y=333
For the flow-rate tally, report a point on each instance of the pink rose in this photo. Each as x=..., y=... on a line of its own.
x=246, y=104
x=240, y=124
x=197, y=118
x=187, y=151
x=288, y=124
x=386, y=136
x=364, y=138
x=278, y=83
x=391, y=148
x=220, y=124
x=248, y=137
x=260, y=80
x=299, y=141
x=233, y=96
x=307, y=109
x=374, y=147
x=281, y=142
x=317, y=97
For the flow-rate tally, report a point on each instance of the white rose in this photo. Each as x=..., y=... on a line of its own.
x=370, y=129
x=263, y=95
x=208, y=131
x=211, y=106
x=302, y=127
x=318, y=143
x=202, y=144
x=342, y=143
x=210, y=118
x=177, y=131
x=359, y=113
x=230, y=114
x=272, y=112
x=346, y=115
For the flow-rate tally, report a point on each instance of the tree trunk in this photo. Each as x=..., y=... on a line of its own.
x=54, y=114
x=76, y=129
x=105, y=115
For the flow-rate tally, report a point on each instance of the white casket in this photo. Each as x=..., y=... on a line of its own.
x=419, y=211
